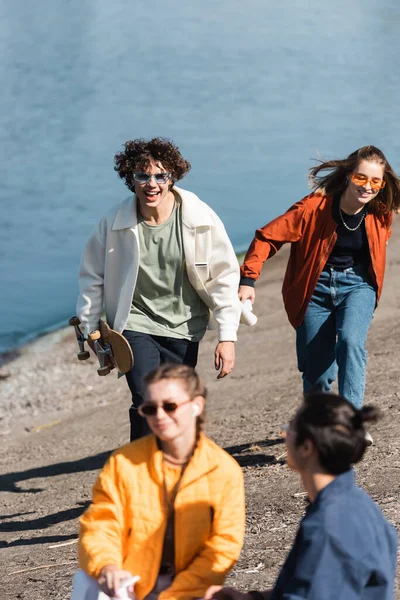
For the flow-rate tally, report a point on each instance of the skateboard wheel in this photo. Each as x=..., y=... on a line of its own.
x=84, y=355
x=102, y=371
x=94, y=335
x=74, y=321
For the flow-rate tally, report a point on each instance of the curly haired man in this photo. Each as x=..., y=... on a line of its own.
x=159, y=263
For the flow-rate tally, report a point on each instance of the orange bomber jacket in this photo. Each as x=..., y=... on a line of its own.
x=125, y=525
x=311, y=229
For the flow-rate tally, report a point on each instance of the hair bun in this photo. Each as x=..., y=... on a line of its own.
x=357, y=420
x=368, y=414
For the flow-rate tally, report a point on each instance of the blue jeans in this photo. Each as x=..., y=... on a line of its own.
x=149, y=352
x=331, y=340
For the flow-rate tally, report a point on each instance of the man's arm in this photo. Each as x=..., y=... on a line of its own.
x=223, y=283
x=222, y=287
x=321, y=568
x=91, y=280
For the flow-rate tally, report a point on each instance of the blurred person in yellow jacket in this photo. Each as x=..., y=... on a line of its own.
x=168, y=508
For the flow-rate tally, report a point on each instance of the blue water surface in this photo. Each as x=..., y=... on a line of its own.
x=250, y=91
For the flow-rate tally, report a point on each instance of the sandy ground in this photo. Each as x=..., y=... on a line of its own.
x=59, y=421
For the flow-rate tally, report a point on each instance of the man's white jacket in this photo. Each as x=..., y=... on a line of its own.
x=110, y=263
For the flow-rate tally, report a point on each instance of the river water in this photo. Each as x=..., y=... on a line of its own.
x=251, y=92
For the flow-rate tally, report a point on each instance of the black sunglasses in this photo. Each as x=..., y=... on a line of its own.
x=149, y=409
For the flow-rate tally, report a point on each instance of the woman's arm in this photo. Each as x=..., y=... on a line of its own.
x=102, y=525
x=320, y=567
x=287, y=228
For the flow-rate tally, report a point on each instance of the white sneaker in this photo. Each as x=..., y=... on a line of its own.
x=368, y=439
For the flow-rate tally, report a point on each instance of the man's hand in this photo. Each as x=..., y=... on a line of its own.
x=246, y=292
x=107, y=359
x=111, y=578
x=218, y=592
x=224, y=358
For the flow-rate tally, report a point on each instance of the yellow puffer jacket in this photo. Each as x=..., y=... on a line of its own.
x=125, y=525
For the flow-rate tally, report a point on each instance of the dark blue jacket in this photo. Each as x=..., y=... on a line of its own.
x=344, y=549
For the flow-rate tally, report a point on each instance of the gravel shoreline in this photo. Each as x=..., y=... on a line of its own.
x=45, y=381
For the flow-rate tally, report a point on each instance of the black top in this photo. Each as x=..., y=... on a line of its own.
x=167, y=566
x=351, y=248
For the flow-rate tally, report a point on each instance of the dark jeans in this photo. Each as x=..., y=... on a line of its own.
x=150, y=351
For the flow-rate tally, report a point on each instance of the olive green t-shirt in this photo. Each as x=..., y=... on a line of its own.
x=164, y=303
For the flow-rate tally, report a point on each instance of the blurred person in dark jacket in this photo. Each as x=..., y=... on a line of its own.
x=344, y=548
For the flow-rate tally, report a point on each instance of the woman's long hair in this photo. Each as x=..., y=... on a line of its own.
x=335, y=181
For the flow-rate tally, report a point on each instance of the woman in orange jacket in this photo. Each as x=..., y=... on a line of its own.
x=334, y=276
x=167, y=508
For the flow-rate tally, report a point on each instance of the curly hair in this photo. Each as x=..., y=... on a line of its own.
x=335, y=182
x=140, y=153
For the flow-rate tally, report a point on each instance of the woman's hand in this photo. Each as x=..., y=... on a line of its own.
x=246, y=292
x=110, y=580
x=209, y=595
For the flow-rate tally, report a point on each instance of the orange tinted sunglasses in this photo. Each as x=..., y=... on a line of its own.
x=375, y=182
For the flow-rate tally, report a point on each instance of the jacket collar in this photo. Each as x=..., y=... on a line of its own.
x=202, y=462
x=126, y=216
x=194, y=212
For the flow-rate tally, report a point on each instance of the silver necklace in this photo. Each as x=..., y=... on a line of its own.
x=345, y=224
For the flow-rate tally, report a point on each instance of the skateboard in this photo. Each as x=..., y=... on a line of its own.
x=110, y=347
